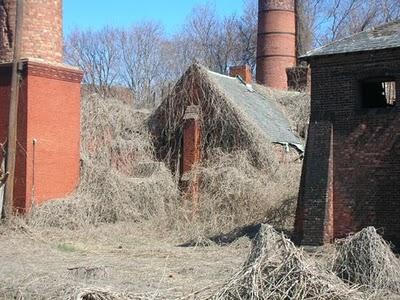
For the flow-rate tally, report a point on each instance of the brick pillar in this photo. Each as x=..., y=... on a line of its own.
x=191, y=151
x=48, y=127
x=42, y=36
x=314, y=216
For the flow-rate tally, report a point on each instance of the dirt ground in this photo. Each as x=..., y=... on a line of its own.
x=124, y=258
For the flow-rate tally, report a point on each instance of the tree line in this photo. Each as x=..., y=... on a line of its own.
x=143, y=61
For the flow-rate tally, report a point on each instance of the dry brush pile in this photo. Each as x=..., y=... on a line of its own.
x=365, y=258
x=233, y=193
x=276, y=269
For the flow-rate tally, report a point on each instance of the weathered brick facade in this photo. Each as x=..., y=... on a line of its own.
x=351, y=171
x=47, y=162
x=48, y=125
x=41, y=31
x=276, y=42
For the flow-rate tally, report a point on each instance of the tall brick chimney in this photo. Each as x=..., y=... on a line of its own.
x=48, y=124
x=42, y=36
x=276, y=42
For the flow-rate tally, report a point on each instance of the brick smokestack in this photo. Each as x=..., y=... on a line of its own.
x=41, y=32
x=276, y=42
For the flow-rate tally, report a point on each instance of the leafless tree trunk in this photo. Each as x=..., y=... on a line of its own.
x=141, y=59
x=97, y=54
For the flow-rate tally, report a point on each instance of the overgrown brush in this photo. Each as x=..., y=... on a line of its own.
x=297, y=109
x=276, y=269
x=365, y=258
x=120, y=180
x=233, y=193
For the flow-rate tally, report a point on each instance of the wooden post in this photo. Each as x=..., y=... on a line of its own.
x=13, y=114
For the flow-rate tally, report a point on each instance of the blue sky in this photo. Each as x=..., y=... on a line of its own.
x=94, y=14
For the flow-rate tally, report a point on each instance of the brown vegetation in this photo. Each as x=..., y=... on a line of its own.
x=276, y=269
x=365, y=258
x=120, y=181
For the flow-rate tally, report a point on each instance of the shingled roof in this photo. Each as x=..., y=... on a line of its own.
x=386, y=36
x=259, y=107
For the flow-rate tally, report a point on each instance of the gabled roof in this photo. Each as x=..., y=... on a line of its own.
x=386, y=36
x=259, y=107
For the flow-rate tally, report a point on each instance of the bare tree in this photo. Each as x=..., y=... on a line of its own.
x=246, y=50
x=330, y=20
x=213, y=41
x=144, y=61
x=97, y=54
x=141, y=59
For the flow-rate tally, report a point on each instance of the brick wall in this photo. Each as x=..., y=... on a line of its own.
x=351, y=175
x=49, y=113
x=42, y=30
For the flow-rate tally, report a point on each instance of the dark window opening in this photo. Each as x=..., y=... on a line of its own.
x=378, y=93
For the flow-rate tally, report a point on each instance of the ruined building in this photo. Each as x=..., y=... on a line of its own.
x=351, y=172
x=208, y=110
x=48, y=127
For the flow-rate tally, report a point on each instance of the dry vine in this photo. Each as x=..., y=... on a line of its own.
x=120, y=180
x=365, y=258
x=223, y=126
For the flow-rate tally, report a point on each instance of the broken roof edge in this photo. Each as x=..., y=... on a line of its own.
x=319, y=52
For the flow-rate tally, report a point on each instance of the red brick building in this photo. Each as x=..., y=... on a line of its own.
x=48, y=127
x=351, y=171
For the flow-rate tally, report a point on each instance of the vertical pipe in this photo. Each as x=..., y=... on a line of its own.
x=13, y=114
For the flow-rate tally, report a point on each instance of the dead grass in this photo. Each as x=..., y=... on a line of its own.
x=122, y=181
x=123, y=260
x=122, y=184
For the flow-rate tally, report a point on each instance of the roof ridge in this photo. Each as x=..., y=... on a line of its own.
x=362, y=34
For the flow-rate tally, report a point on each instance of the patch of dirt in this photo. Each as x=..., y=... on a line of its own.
x=123, y=258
